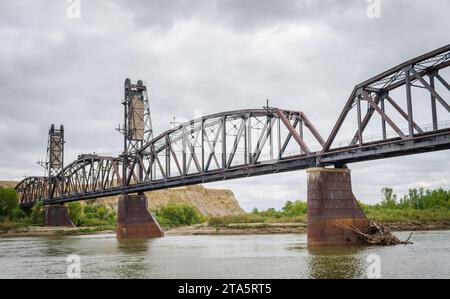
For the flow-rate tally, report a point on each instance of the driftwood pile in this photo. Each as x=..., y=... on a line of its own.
x=376, y=234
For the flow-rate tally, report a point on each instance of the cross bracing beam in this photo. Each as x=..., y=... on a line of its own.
x=376, y=91
x=251, y=142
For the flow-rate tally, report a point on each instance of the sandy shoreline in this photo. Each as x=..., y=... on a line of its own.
x=202, y=229
x=38, y=231
x=289, y=228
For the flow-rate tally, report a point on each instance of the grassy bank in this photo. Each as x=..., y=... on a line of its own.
x=292, y=212
x=418, y=206
x=406, y=215
x=89, y=217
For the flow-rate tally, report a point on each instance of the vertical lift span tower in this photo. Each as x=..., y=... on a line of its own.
x=134, y=220
x=56, y=215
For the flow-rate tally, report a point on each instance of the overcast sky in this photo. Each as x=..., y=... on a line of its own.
x=211, y=56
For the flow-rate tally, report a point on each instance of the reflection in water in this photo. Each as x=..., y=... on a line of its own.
x=238, y=256
x=57, y=246
x=138, y=265
x=335, y=262
x=133, y=246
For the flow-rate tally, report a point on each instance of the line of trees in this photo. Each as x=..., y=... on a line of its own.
x=418, y=199
x=290, y=209
x=174, y=214
x=81, y=215
x=10, y=209
x=417, y=204
x=91, y=214
x=178, y=214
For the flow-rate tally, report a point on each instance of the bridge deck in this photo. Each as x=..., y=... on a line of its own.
x=395, y=147
x=245, y=143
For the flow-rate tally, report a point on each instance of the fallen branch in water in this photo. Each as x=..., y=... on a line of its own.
x=376, y=234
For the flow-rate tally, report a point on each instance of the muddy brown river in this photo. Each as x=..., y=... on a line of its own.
x=237, y=256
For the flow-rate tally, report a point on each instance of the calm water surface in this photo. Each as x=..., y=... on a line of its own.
x=244, y=256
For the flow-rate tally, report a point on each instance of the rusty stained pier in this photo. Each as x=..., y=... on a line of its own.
x=252, y=142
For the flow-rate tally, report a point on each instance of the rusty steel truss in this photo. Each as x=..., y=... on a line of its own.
x=253, y=142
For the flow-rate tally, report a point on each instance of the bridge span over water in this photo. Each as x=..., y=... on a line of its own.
x=238, y=144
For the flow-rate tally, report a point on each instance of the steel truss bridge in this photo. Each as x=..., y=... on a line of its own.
x=245, y=143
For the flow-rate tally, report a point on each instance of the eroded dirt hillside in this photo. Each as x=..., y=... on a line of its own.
x=210, y=202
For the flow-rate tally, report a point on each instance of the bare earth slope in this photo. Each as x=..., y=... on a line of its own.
x=210, y=202
x=8, y=184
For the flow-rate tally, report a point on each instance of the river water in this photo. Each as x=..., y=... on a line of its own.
x=238, y=256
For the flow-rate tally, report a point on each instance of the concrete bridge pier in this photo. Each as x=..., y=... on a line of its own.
x=134, y=220
x=331, y=203
x=57, y=215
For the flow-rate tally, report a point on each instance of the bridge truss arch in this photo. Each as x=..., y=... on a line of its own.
x=215, y=147
x=243, y=143
x=376, y=93
x=88, y=174
x=224, y=141
x=32, y=189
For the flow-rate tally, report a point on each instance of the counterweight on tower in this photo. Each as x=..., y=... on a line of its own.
x=137, y=125
x=55, y=151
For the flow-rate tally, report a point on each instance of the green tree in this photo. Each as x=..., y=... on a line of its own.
x=18, y=214
x=287, y=206
x=389, y=198
x=91, y=211
x=101, y=212
x=296, y=208
x=37, y=213
x=97, y=214
x=75, y=212
x=176, y=214
x=271, y=213
x=8, y=202
x=421, y=199
x=415, y=198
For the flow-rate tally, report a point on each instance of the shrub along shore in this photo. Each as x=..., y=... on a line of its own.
x=419, y=209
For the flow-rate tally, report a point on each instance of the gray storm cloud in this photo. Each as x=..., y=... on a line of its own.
x=210, y=56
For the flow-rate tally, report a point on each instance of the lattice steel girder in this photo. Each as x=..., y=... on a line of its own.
x=233, y=173
x=431, y=141
x=32, y=189
x=421, y=143
x=89, y=173
x=376, y=90
x=192, y=148
x=213, y=142
x=55, y=150
x=251, y=142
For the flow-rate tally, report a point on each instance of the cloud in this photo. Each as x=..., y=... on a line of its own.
x=208, y=55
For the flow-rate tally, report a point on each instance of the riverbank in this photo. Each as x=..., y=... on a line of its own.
x=290, y=228
x=204, y=229
x=39, y=231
